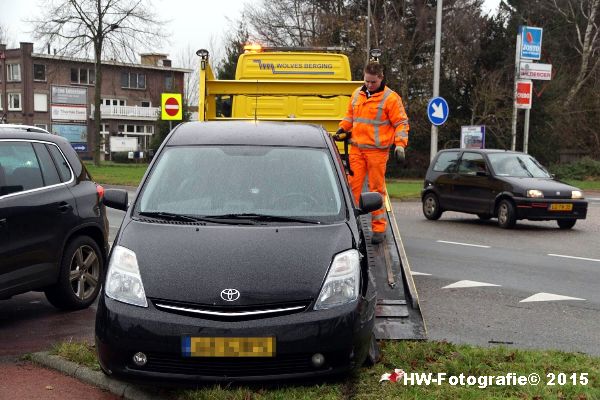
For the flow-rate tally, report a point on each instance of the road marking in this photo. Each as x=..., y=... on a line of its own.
x=420, y=273
x=464, y=244
x=575, y=258
x=467, y=284
x=548, y=297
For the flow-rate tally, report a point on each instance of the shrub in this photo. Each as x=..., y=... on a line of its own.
x=583, y=169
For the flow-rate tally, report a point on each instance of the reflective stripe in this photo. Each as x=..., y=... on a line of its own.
x=378, y=216
x=402, y=134
x=355, y=98
x=387, y=92
x=372, y=121
x=348, y=119
x=401, y=122
x=368, y=146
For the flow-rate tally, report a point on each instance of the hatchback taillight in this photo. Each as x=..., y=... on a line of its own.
x=100, y=191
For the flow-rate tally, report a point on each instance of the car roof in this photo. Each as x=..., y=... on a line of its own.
x=485, y=151
x=27, y=128
x=21, y=134
x=257, y=133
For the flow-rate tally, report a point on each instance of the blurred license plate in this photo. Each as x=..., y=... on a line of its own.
x=228, y=346
x=561, y=207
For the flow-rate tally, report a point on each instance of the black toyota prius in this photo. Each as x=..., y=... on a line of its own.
x=241, y=258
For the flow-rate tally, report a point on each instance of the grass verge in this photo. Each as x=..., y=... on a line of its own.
x=420, y=357
x=109, y=173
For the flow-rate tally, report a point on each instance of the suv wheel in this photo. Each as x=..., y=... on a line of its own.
x=566, y=223
x=431, y=207
x=80, y=277
x=507, y=215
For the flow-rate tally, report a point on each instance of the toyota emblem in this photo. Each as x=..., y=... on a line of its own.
x=230, y=294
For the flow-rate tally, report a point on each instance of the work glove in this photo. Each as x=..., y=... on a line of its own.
x=399, y=154
x=340, y=135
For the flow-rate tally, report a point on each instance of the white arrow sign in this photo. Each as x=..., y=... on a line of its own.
x=438, y=110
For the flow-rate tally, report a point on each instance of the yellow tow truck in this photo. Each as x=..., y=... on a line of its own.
x=314, y=86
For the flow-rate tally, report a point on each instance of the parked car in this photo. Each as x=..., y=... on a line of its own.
x=53, y=225
x=24, y=128
x=499, y=184
x=242, y=257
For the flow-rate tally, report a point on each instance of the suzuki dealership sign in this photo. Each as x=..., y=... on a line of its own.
x=524, y=90
x=531, y=43
x=529, y=70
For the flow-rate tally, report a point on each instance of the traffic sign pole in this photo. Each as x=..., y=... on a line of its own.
x=436, y=74
x=526, y=131
x=513, y=143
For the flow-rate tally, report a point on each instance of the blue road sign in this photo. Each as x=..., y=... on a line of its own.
x=437, y=110
x=80, y=147
x=531, y=42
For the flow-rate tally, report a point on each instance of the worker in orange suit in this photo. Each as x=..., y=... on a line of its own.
x=377, y=121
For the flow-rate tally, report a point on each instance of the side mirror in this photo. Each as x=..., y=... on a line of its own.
x=116, y=198
x=369, y=201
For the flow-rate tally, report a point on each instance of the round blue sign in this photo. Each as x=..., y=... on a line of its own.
x=437, y=110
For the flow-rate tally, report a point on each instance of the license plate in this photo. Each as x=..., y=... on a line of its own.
x=561, y=207
x=228, y=346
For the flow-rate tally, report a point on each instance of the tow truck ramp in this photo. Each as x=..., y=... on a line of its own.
x=397, y=314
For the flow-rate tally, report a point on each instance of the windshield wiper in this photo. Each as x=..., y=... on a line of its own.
x=190, y=218
x=525, y=167
x=266, y=217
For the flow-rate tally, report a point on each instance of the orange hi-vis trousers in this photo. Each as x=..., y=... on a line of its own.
x=373, y=163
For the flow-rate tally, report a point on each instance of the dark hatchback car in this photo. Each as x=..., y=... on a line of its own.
x=53, y=225
x=241, y=258
x=499, y=184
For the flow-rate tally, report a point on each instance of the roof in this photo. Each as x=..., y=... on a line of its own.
x=21, y=134
x=486, y=151
x=257, y=133
x=27, y=128
x=109, y=62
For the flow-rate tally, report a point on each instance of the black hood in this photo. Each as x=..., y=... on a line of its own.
x=267, y=264
x=550, y=187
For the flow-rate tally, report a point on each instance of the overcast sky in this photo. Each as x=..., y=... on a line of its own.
x=194, y=24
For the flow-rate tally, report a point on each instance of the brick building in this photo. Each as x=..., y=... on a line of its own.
x=57, y=93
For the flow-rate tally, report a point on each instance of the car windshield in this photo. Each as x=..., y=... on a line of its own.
x=517, y=165
x=237, y=182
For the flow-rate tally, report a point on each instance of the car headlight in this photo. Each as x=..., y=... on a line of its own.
x=535, y=193
x=123, y=280
x=342, y=283
x=577, y=194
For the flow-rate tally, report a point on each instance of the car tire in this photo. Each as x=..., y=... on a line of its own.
x=431, y=207
x=566, y=223
x=80, y=277
x=507, y=215
x=484, y=217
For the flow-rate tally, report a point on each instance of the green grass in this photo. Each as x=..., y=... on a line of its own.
x=421, y=357
x=109, y=173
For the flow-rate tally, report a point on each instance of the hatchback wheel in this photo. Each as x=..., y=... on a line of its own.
x=80, y=277
x=507, y=215
x=566, y=223
x=431, y=207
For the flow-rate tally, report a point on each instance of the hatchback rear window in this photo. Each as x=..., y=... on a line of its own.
x=219, y=180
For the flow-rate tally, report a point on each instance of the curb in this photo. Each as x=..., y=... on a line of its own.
x=95, y=378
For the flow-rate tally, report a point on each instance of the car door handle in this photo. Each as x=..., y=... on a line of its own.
x=64, y=207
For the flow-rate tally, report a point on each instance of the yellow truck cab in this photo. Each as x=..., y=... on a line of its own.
x=303, y=86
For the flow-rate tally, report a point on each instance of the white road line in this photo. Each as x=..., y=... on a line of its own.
x=467, y=284
x=464, y=244
x=575, y=258
x=548, y=297
x=420, y=273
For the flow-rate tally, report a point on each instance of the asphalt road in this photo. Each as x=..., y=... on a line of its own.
x=534, y=259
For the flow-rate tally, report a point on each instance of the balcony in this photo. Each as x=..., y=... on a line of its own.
x=127, y=112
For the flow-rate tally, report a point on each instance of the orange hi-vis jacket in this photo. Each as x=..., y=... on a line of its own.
x=376, y=122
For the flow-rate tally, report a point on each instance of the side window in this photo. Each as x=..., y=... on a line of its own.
x=61, y=163
x=49, y=171
x=20, y=168
x=471, y=163
x=446, y=162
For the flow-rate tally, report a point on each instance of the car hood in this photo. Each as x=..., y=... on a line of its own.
x=267, y=264
x=548, y=186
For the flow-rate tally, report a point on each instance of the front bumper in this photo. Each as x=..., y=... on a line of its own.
x=342, y=335
x=539, y=209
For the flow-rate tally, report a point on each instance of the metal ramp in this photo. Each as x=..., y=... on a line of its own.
x=397, y=314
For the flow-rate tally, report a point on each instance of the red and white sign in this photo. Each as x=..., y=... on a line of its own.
x=529, y=70
x=524, y=91
x=172, y=106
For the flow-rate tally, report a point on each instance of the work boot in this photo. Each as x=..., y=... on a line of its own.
x=377, y=237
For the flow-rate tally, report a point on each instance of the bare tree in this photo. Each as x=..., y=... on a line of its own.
x=113, y=28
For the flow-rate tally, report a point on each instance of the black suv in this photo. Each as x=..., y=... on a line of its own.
x=53, y=224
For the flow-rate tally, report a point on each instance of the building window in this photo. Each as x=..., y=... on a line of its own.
x=169, y=82
x=83, y=76
x=14, y=102
x=133, y=80
x=1, y=96
x=40, y=102
x=39, y=72
x=114, y=102
x=146, y=104
x=13, y=72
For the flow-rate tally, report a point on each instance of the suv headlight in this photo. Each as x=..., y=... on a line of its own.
x=577, y=194
x=123, y=280
x=342, y=283
x=535, y=193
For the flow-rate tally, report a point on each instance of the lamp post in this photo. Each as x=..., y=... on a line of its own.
x=436, y=73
